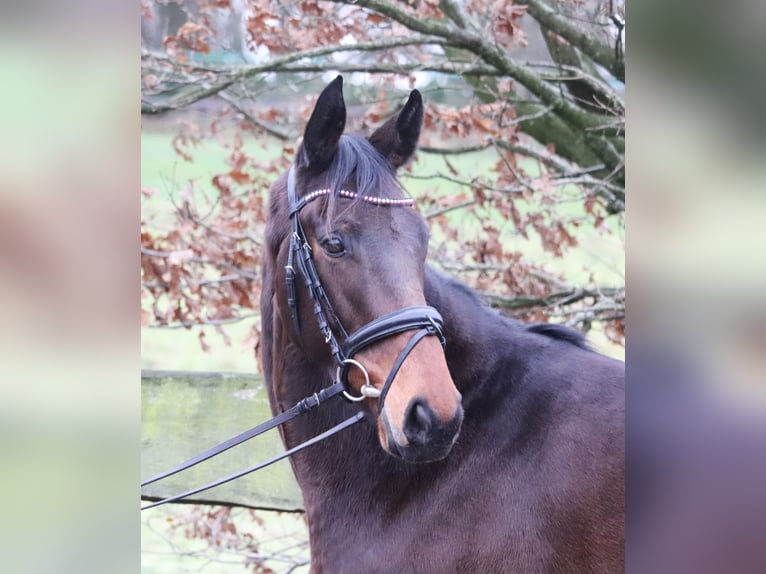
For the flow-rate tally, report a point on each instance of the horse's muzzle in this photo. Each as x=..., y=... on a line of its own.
x=423, y=437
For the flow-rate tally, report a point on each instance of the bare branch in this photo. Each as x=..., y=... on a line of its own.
x=449, y=208
x=456, y=150
x=523, y=181
x=456, y=12
x=272, y=131
x=219, y=264
x=203, y=87
x=206, y=322
x=566, y=297
x=412, y=21
x=600, y=53
x=612, y=102
x=442, y=68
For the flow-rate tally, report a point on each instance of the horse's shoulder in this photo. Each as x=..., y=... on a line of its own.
x=558, y=362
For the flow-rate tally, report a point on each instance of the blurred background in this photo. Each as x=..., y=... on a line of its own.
x=521, y=174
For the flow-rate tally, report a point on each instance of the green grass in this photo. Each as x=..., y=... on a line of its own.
x=179, y=349
x=163, y=169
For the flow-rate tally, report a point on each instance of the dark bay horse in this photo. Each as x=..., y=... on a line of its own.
x=502, y=451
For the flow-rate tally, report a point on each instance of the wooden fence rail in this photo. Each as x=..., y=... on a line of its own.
x=186, y=413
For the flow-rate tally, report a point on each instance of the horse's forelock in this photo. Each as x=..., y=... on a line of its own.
x=356, y=166
x=359, y=162
x=359, y=166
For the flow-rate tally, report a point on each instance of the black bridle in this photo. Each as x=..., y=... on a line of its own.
x=426, y=319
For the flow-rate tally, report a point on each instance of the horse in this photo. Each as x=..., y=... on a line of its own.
x=500, y=445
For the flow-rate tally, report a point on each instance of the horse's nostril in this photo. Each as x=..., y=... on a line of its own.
x=418, y=422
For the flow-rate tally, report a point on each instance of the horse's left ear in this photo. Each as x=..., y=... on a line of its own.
x=398, y=137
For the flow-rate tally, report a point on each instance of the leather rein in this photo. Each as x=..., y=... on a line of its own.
x=426, y=319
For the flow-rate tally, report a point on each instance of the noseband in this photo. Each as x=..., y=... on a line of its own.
x=426, y=319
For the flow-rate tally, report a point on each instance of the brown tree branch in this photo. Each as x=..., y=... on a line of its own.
x=206, y=322
x=460, y=32
x=474, y=41
x=271, y=130
x=597, y=51
x=220, y=264
x=558, y=298
x=202, y=87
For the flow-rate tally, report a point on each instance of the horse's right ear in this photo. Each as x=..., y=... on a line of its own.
x=320, y=140
x=398, y=137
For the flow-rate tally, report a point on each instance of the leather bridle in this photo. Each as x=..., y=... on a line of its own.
x=425, y=319
x=422, y=317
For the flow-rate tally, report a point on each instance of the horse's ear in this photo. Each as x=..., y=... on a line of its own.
x=398, y=137
x=320, y=140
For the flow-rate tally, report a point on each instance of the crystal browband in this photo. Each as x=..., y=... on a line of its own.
x=351, y=195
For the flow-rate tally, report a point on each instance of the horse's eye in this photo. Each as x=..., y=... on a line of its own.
x=333, y=246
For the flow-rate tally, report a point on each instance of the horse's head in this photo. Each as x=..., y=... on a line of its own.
x=368, y=246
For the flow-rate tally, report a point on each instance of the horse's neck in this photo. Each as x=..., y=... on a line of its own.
x=480, y=342
x=351, y=466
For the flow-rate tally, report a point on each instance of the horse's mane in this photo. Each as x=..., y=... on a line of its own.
x=560, y=332
x=472, y=298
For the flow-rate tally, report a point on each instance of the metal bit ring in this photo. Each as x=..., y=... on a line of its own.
x=367, y=391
